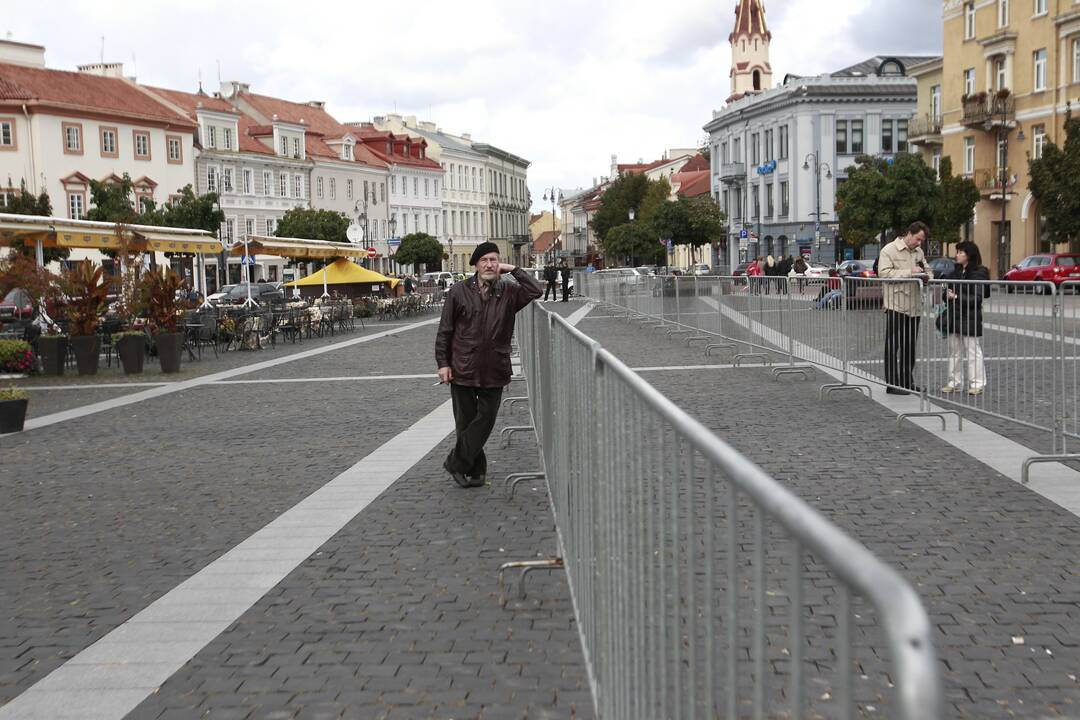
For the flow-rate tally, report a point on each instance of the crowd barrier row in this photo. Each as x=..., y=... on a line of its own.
x=702, y=587
x=1007, y=350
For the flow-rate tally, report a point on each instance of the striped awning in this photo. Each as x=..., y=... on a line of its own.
x=296, y=248
x=93, y=235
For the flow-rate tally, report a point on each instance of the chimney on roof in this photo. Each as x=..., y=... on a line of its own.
x=317, y=104
x=111, y=70
x=410, y=121
x=18, y=53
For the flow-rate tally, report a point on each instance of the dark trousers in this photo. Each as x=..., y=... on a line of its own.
x=475, y=410
x=553, y=289
x=901, y=336
x=566, y=292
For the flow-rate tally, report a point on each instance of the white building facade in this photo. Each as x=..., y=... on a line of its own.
x=508, y=200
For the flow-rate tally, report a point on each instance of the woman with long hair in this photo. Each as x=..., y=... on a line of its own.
x=962, y=320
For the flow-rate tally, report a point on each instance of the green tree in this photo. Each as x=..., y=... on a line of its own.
x=1055, y=184
x=26, y=203
x=312, y=224
x=633, y=241
x=954, y=204
x=657, y=194
x=706, y=219
x=189, y=210
x=417, y=248
x=883, y=196
x=672, y=222
x=625, y=194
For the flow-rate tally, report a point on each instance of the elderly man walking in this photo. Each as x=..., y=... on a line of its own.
x=903, y=259
x=472, y=352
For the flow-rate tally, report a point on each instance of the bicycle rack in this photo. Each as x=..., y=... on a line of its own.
x=526, y=567
x=507, y=432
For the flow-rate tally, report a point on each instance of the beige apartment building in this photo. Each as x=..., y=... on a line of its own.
x=1009, y=68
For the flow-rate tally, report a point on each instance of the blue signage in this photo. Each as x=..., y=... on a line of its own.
x=743, y=234
x=394, y=241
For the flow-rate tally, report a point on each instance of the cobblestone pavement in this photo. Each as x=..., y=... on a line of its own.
x=994, y=563
x=395, y=617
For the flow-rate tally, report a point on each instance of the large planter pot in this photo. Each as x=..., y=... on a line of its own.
x=87, y=350
x=12, y=415
x=132, y=351
x=169, y=349
x=52, y=349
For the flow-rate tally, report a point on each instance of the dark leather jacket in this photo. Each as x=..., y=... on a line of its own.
x=474, y=333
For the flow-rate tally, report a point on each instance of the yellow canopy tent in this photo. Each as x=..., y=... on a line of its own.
x=342, y=272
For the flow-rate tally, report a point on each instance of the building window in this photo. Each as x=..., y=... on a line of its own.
x=271, y=224
x=319, y=187
x=283, y=185
x=72, y=138
x=784, y=198
x=856, y=137
x=935, y=102
x=333, y=188
x=227, y=179
x=969, y=20
x=969, y=155
x=1001, y=156
x=249, y=181
x=249, y=226
x=382, y=192
x=268, y=183
x=757, y=201
x=969, y=82
x=451, y=176
x=841, y=137
x=211, y=136
x=211, y=179
x=298, y=186
x=1076, y=60
x=284, y=146
x=901, y=135
x=769, y=207
x=1040, y=7
x=1038, y=141
x=226, y=136
x=393, y=184
x=142, y=144
x=999, y=73
x=76, y=206
x=935, y=162
x=230, y=230
x=427, y=188
x=1040, y=69
x=349, y=189
x=174, y=149
x=7, y=134
x=1003, y=13
x=346, y=151
x=783, y=142
x=416, y=187
x=755, y=149
x=886, y=136
x=296, y=147
x=767, y=151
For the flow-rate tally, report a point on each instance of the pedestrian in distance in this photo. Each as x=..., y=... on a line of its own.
x=472, y=353
x=962, y=320
x=754, y=270
x=409, y=285
x=564, y=272
x=551, y=276
x=769, y=271
x=902, y=262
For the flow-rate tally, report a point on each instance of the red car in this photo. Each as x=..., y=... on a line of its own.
x=1047, y=267
x=16, y=309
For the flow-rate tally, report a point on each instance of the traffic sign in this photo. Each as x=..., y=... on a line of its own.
x=394, y=241
x=248, y=260
x=743, y=234
x=372, y=252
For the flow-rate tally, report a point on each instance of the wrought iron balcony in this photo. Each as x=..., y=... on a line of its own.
x=732, y=171
x=924, y=129
x=989, y=111
x=995, y=183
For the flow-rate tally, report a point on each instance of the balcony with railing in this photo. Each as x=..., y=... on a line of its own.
x=989, y=111
x=995, y=183
x=924, y=129
x=732, y=171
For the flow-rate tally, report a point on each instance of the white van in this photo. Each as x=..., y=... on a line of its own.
x=434, y=278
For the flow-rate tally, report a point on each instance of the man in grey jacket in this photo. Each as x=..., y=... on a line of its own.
x=903, y=261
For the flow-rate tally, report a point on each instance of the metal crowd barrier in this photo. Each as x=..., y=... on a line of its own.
x=698, y=581
x=1023, y=368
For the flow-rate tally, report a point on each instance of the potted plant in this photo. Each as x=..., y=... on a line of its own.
x=19, y=271
x=131, y=349
x=16, y=357
x=52, y=349
x=160, y=297
x=12, y=410
x=87, y=295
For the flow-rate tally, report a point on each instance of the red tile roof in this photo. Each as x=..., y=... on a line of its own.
x=376, y=141
x=692, y=183
x=546, y=239
x=75, y=91
x=750, y=20
x=190, y=103
x=698, y=162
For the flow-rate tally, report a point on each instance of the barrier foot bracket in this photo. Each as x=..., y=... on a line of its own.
x=830, y=388
x=507, y=432
x=526, y=567
x=1025, y=469
x=804, y=370
x=938, y=414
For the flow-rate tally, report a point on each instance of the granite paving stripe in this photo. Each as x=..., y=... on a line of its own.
x=115, y=674
x=44, y=403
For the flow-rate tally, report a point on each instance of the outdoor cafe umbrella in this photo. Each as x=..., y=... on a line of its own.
x=343, y=272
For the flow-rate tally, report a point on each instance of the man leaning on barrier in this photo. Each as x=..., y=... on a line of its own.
x=472, y=351
x=903, y=259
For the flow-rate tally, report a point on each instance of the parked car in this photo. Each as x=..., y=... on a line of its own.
x=434, y=278
x=16, y=310
x=262, y=293
x=647, y=269
x=215, y=298
x=942, y=266
x=1047, y=267
x=817, y=271
x=856, y=268
x=699, y=269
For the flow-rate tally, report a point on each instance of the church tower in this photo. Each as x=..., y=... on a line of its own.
x=750, y=69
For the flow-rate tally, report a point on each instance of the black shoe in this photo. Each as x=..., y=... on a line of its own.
x=458, y=477
x=896, y=391
x=478, y=481
x=915, y=389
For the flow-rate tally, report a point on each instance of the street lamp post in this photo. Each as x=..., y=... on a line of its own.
x=393, y=232
x=555, y=196
x=818, y=165
x=1003, y=180
x=450, y=242
x=362, y=221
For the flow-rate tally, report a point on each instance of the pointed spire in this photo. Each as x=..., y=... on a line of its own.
x=750, y=20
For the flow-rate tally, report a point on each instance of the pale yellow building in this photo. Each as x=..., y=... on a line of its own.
x=924, y=127
x=1009, y=68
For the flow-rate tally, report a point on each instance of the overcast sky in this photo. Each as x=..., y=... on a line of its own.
x=563, y=83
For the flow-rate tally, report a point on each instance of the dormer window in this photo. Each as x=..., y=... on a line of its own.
x=226, y=138
x=296, y=147
x=284, y=145
x=407, y=146
x=389, y=148
x=211, y=137
x=346, y=151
